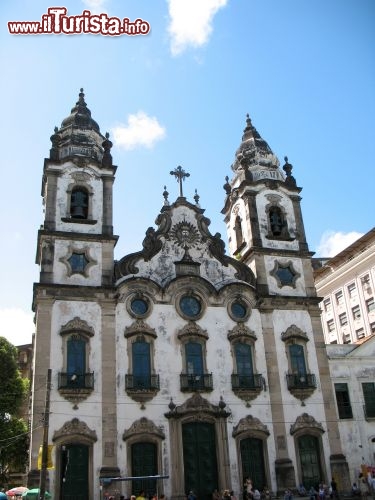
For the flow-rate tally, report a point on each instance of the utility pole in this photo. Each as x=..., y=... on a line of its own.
x=43, y=470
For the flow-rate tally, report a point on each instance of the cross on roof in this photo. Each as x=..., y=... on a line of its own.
x=180, y=175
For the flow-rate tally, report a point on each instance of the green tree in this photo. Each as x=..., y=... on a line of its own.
x=14, y=438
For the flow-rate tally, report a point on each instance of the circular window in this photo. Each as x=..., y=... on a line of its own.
x=190, y=306
x=139, y=306
x=238, y=309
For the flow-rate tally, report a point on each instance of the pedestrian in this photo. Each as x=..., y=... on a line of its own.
x=334, y=492
x=363, y=486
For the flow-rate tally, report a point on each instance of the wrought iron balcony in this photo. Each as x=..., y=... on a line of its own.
x=142, y=382
x=301, y=381
x=247, y=382
x=76, y=381
x=196, y=382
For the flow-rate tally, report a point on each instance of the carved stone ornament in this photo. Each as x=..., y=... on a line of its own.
x=192, y=329
x=241, y=330
x=185, y=234
x=141, y=427
x=75, y=429
x=294, y=332
x=197, y=407
x=77, y=325
x=249, y=424
x=81, y=176
x=306, y=421
x=139, y=326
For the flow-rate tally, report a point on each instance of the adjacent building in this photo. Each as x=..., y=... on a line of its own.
x=352, y=369
x=346, y=284
x=179, y=360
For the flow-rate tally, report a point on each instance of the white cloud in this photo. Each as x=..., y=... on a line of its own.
x=332, y=243
x=16, y=325
x=191, y=22
x=141, y=130
x=95, y=6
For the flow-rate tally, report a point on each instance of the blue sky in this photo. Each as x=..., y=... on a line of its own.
x=303, y=69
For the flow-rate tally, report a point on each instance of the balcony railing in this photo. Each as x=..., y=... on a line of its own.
x=142, y=382
x=196, y=382
x=249, y=382
x=301, y=381
x=76, y=380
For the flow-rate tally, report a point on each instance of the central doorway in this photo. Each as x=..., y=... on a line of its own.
x=200, y=463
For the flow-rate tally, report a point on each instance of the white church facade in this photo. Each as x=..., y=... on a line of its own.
x=178, y=360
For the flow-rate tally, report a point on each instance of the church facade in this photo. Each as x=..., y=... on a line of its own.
x=179, y=365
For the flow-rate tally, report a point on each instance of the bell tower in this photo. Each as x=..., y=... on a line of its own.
x=74, y=299
x=264, y=221
x=265, y=231
x=77, y=187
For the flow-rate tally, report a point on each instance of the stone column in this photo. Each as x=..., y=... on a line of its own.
x=285, y=474
x=109, y=408
x=107, y=205
x=42, y=348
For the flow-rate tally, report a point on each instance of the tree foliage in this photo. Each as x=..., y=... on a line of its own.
x=13, y=429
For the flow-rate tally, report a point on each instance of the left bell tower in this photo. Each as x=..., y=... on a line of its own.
x=74, y=303
x=77, y=188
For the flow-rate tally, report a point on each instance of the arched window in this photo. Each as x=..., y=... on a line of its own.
x=297, y=359
x=238, y=231
x=79, y=203
x=244, y=378
x=276, y=220
x=141, y=364
x=76, y=361
x=194, y=358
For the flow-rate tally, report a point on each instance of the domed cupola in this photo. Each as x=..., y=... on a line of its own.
x=254, y=158
x=79, y=135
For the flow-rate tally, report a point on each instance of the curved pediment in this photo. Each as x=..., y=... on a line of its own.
x=182, y=245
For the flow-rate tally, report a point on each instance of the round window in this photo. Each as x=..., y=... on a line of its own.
x=190, y=306
x=238, y=310
x=139, y=306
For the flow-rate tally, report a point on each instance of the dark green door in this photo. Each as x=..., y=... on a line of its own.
x=144, y=464
x=200, y=459
x=74, y=472
x=310, y=462
x=252, y=458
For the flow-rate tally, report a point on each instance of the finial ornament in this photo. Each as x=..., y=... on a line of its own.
x=196, y=198
x=165, y=194
x=290, y=180
x=226, y=186
x=180, y=175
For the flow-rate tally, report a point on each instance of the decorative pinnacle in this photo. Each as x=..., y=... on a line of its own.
x=180, y=175
x=165, y=194
x=196, y=198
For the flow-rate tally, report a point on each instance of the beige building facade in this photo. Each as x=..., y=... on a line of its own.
x=352, y=369
x=346, y=284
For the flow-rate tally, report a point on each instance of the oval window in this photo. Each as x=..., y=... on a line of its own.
x=190, y=306
x=139, y=306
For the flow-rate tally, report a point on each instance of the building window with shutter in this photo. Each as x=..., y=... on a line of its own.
x=344, y=406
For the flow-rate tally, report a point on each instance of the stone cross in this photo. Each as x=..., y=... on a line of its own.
x=180, y=175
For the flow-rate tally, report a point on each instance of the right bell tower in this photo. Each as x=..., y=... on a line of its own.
x=265, y=231
x=264, y=220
